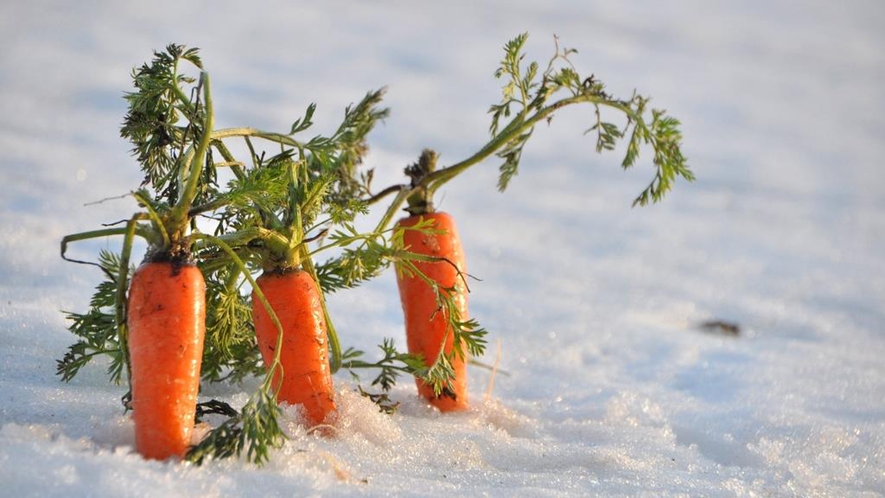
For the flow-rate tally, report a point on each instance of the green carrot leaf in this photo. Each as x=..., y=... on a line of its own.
x=255, y=430
x=305, y=122
x=96, y=329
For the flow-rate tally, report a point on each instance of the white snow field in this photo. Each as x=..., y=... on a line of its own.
x=607, y=384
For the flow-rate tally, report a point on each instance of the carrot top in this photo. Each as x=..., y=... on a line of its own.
x=531, y=95
x=176, y=168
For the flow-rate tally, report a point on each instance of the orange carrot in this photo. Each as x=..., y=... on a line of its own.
x=306, y=378
x=166, y=318
x=427, y=326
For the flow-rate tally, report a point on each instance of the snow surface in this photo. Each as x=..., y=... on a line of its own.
x=612, y=389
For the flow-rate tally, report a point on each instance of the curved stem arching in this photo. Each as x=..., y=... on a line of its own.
x=120, y=301
x=515, y=128
x=178, y=216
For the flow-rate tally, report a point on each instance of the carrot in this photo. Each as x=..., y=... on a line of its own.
x=427, y=326
x=306, y=378
x=160, y=327
x=166, y=319
x=530, y=97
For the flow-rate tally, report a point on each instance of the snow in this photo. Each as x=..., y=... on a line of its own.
x=607, y=386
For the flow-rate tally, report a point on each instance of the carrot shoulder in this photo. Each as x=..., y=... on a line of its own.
x=306, y=378
x=166, y=318
x=427, y=327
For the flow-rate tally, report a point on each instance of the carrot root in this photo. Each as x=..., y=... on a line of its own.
x=427, y=327
x=305, y=378
x=166, y=318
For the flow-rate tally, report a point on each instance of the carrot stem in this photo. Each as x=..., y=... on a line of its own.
x=438, y=178
x=94, y=234
x=154, y=216
x=393, y=208
x=120, y=303
x=178, y=216
x=255, y=132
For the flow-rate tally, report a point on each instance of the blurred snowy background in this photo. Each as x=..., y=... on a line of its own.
x=613, y=389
